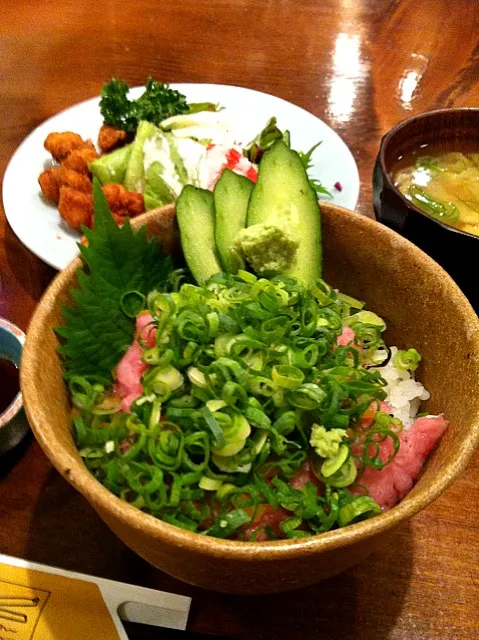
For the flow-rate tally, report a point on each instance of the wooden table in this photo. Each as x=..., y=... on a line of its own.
x=360, y=65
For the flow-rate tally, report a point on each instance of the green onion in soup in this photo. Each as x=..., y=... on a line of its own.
x=444, y=185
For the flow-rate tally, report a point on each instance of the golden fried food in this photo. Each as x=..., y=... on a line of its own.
x=52, y=180
x=75, y=207
x=50, y=184
x=110, y=138
x=135, y=203
x=70, y=185
x=122, y=202
x=61, y=144
x=119, y=219
x=78, y=159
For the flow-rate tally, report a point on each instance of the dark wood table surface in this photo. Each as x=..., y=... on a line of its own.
x=361, y=66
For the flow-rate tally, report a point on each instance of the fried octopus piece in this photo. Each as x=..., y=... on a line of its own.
x=110, y=138
x=123, y=203
x=75, y=207
x=61, y=144
x=78, y=159
x=52, y=180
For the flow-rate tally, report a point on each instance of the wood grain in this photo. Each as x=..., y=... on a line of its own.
x=360, y=65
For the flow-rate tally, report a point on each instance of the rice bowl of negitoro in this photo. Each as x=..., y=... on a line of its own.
x=258, y=418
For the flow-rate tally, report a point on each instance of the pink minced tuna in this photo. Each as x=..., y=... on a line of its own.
x=131, y=368
x=390, y=485
x=346, y=337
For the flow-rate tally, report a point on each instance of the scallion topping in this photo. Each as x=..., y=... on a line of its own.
x=245, y=386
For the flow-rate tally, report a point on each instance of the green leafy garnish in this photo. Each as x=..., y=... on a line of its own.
x=157, y=102
x=306, y=159
x=306, y=156
x=196, y=107
x=121, y=266
x=264, y=140
x=267, y=137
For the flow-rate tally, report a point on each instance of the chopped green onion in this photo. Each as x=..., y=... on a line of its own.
x=197, y=377
x=216, y=431
x=407, y=360
x=350, y=302
x=242, y=374
x=367, y=317
x=84, y=394
x=215, y=405
x=209, y=484
x=259, y=440
x=345, y=476
x=228, y=524
x=131, y=303
x=290, y=524
x=168, y=377
x=287, y=377
x=230, y=464
x=360, y=509
x=234, y=437
x=307, y=396
x=446, y=211
x=225, y=490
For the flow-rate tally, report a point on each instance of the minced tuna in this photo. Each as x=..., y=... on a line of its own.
x=388, y=486
x=346, y=337
x=131, y=367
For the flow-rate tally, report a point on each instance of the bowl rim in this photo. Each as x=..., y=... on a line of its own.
x=16, y=404
x=75, y=472
x=385, y=141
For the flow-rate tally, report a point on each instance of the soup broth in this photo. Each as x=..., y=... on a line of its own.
x=9, y=383
x=442, y=183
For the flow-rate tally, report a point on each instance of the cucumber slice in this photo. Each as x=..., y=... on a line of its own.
x=196, y=218
x=283, y=197
x=231, y=196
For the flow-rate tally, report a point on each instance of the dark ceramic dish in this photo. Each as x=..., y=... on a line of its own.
x=453, y=249
x=13, y=423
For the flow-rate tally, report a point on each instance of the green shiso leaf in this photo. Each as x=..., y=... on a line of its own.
x=118, y=261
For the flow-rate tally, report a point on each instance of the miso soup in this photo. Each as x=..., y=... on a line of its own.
x=443, y=184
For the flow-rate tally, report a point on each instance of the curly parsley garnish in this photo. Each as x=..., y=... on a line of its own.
x=157, y=102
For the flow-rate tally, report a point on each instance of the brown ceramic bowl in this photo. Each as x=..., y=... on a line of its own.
x=423, y=308
x=455, y=250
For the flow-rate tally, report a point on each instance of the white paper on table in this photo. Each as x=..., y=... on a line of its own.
x=128, y=602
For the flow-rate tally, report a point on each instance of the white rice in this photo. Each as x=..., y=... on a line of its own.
x=404, y=393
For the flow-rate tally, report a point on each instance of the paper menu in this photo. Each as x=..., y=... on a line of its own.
x=39, y=602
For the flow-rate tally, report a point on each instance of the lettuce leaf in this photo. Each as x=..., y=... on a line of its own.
x=118, y=261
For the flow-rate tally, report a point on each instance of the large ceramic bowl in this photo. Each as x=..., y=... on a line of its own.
x=422, y=306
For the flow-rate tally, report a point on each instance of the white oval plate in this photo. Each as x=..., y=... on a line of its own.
x=37, y=223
